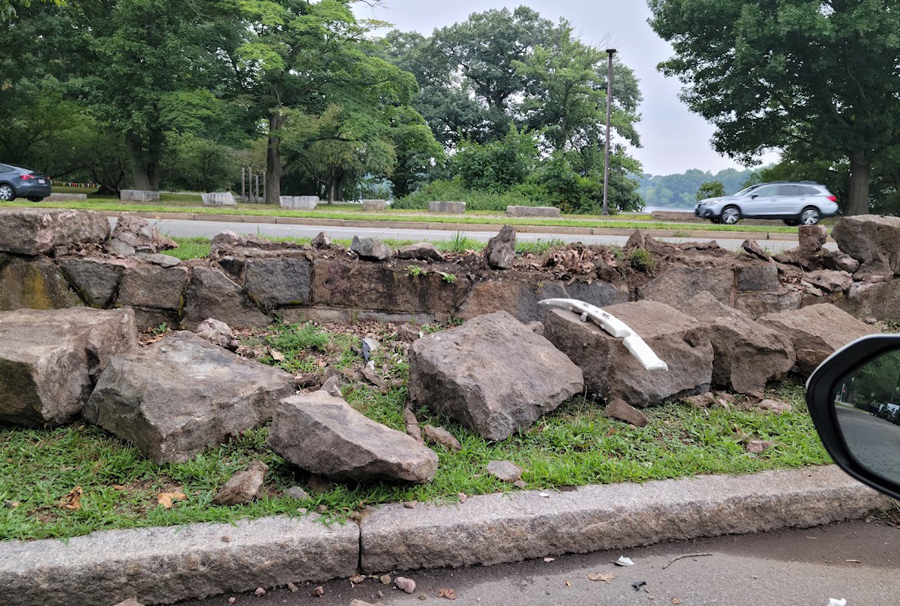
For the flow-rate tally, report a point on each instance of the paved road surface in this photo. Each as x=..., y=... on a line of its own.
x=874, y=442
x=858, y=561
x=211, y=228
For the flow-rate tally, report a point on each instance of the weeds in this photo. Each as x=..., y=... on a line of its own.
x=415, y=271
x=641, y=259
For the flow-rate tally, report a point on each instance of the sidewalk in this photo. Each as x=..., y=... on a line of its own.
x=164, y=565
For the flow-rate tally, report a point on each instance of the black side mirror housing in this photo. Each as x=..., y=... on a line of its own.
x=853, y=399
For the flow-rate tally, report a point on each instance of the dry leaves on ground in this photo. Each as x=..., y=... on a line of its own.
x=596, y=576
x=167, y=499
x=72, y=501
x=446, y=592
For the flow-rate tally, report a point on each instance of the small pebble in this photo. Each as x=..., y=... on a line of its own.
x=407, y=585
x=259, y=592
x=410, y=504
x=386, y=579
x=293, y=588
x=232, y=600
x=319, y=591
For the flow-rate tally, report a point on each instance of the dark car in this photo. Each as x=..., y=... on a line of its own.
x=18, y=182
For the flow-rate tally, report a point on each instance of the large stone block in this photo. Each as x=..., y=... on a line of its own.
x=533, y=211
x=678, y=285
x=50, y=360
x=520, y=297
x=34, y=283
x=278, y=282
x=374, y=287
x=154, y=287
x=879, y=301
x=326, y=436
x=176, y=397
x=872, y=240
x=299, y=202
x=747, y=354
x=755, y=278
x=612, y=372
x=492, y=374
x=95, y=279
x=447, y=207
x=138, y=195
x=221, y=198
x=817, y=332
x=34, y=232
x=758, y=304
x=374, y=205
x=212, y=295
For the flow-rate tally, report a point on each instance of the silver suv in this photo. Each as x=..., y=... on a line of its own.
x=804, y=203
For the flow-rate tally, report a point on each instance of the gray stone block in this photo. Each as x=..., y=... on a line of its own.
x=221, y=198
x=299, y=202
x=533, y=211
x=166, y=565
x=447, y=207
x=374, y=205
x=138, y=195
x=493, y=529
x=34, y=232
x=754, y=278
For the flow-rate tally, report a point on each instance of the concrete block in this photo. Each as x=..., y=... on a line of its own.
x=447, y=207
x=533, y=211
x=138, y=195
x=166, y=565
x=299, y=202
x=374, y=205
x=221, y=198
x=494, y=529
x=65, y=198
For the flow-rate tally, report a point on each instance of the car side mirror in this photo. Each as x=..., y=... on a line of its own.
x=854, y=400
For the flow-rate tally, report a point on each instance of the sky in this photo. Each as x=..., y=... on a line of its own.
x=674, y=140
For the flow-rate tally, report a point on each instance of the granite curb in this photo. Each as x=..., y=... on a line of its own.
x=164, y=565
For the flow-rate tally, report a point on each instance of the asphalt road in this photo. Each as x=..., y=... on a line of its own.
x=855, y=561
x=209, y=229
x=873, y=441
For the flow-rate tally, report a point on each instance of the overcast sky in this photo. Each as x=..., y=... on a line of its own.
x=673, y=138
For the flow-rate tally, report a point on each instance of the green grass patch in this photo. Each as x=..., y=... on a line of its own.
x=575, y=445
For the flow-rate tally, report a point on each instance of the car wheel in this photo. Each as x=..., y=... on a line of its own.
x=7, y=194
x=810, y=216
x=34, y=199
x=791, y=222
x=730, y=215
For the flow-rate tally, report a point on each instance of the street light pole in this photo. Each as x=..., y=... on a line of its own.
x=609, y=78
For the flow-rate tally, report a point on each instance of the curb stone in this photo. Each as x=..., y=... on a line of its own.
x=165, y=565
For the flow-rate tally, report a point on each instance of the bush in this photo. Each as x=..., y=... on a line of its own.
x=456, y=191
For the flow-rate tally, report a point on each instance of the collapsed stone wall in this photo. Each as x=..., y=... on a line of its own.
x=58, y=259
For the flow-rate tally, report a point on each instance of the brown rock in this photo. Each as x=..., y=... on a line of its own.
x=442, y=437
x=753, y=248
x=371, y=249
x=812, y=238
x=505, y=471
x=321, y=241
x=680, y=284
x=244, y=486
x=407, y=585
x=39, y=231
x=872, y=240
x=829, y=280
x=774, y=406
x=622, y=411
x=500, y=251
x=759, y=446
x=424, y=251
x=137, y=233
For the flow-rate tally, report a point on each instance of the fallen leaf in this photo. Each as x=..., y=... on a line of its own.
x=596, y=576
x=167, y=499
x=676, y=601
x=446, y=592
x=119, y=487
x=357, y=579
x=72, y=501
x=276, y=355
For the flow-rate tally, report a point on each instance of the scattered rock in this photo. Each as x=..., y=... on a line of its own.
x=244, y=486
x=872, y=240
x=704, y=400
x=679, y=284
x=830, y=280
x=757, y=277
x=357, y=579
x=505, y=471
x=319, y=591
x=293, y=588
x=158, y=259
x=612, y=372
x=621, y=410
x=759, y=446
x=492, y=374
x=775, y=406
x=34, y=232
x=208, y=394
x=637, y=240
x=747, y=354
x=439, y=435
x=408, y=333
x=346, y=444
x=332, y=386
x=842, y=262
x=137, y=233
x=259, y=592
x=753, y=248
x=407, y=585
x=321, y=241
x=217, y=333
x=130, y=602
x=500, y=251
x=423, y=251
x=50, y=360
x=371, y=249
x=385, y=579
x=812, y=238
x=816, y=332
x=296, y=492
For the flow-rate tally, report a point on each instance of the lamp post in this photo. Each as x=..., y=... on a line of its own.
x=609, y=53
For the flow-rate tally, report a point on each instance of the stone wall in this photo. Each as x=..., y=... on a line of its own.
x=59, y=259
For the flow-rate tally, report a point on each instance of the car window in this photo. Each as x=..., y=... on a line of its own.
x=810, y=191
x=769, y=190
x=5, y=169
x=787, y=190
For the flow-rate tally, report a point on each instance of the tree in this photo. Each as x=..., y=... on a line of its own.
x=8, y=7
x=498, y=165
x=710, y=189
x=792, y=73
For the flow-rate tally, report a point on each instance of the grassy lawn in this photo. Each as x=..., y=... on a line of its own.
x=573, y=446
x=189, y=203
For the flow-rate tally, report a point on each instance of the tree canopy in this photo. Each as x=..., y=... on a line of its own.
x=820, y=80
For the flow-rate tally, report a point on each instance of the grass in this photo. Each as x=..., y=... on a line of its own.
x=187, y=203
x=576, y=445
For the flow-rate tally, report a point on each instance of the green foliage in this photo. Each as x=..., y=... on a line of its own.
x=448, y=278
x=161, y=329
x=641, y=259
x=294, y=339
x=498, y=165
x=710, y=189
x=818, y=80
x=679, y=190
x=415, y=271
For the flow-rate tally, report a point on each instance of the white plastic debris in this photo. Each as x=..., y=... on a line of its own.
x=623, y=561
x=545, y=495
x=836, y=602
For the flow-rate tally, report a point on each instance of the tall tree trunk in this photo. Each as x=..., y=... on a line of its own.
x=860, y=167
x=274, y=167
x=145, y=161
